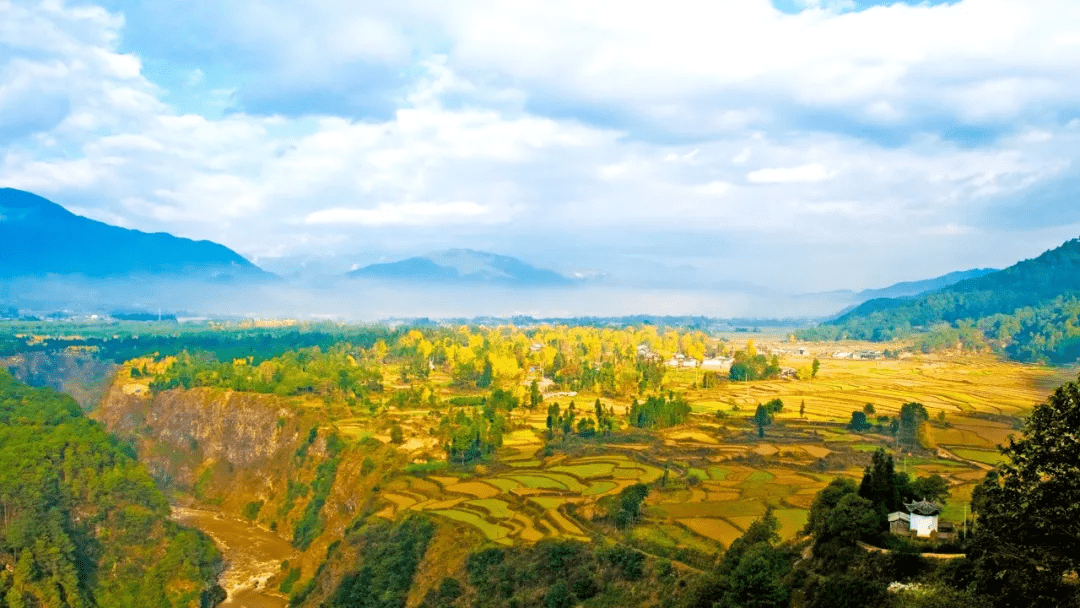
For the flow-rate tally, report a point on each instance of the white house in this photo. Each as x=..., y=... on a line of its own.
x=921, y=518
x=719, y=363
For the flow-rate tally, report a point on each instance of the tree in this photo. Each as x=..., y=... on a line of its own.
x=762, y=418
x=1027, y=527
x=397, y=437
x=552, y=419
x=869, y=409
x=858, y=422
x=911, y=416
x=814, y=367
x=802, y=409
x=838, y=518
x=934, y=488
x=880, y=484
x=535, y=398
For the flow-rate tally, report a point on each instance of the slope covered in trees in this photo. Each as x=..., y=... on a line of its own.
x=81, y=523
x=1029, y=311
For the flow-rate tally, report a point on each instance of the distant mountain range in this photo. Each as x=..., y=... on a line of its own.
x=42, y=238
x=1030, y=309
x=463, y=266
x=914, y=288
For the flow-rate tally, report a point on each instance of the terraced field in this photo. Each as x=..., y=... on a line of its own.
x=712, y=477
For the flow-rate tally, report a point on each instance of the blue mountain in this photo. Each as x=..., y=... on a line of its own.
x=41, y=238
x=463, y=266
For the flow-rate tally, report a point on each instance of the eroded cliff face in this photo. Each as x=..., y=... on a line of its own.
x=243, y=431
x=254, y=457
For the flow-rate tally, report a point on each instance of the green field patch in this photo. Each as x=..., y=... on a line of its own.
x=548, y=502
x=651, y=474
x=497, y=508
x=474, y=488
x=718, y=473
x=983, y=456
x=597, y=488
x=791, y=521
x=503, y=483
x=627, y=473
x=865, y=447
x=712, y=528
x=615, y=457
x=491, y=531
x=537, y=482
x=760, y=477
x=586, y=471
x=571, y=483
x=524, y=463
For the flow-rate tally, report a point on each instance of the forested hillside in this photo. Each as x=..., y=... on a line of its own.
x=1029, y=311
x=81, y=523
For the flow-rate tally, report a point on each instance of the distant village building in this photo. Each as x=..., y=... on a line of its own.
x=921, y=519
x=722, y=364
x=681, y=360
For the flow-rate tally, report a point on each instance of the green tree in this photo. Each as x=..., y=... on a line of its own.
x=1027, y=526
x=397, y=436
x=911, y=416
x=762, y=418
x=880, y=483
x=858, y=422
x=814, y=368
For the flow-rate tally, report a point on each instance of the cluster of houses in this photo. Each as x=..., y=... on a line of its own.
x=863, y=355
x=721, y=364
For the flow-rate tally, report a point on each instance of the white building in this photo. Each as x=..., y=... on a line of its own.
x=719, y=363
x=921, y=518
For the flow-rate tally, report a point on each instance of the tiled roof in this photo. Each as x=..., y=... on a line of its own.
x=923, y=507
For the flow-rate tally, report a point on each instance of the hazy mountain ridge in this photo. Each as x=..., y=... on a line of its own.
x=463, y=266
x=1027, y=283
x=1029, y=311
x=42, y=238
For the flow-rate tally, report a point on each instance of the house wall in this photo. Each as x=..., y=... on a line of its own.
x=923, y=525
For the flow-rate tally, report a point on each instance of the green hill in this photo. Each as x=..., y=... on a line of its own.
x=81, y=523
x=1028, y=310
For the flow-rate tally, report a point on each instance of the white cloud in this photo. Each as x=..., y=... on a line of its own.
x=812, y=172
x=472, y=150
x=402, y=214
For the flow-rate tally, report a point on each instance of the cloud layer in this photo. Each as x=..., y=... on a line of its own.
x=709, y=142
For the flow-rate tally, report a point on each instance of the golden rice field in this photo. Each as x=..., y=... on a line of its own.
x=720, y=476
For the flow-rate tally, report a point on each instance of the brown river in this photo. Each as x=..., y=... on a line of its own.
x=252, y=555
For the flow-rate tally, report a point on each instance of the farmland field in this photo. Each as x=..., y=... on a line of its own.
x=525, y=495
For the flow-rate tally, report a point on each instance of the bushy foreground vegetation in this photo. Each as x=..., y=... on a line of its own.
x=81, y=524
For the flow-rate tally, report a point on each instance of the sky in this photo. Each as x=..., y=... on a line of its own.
x=797, y=145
